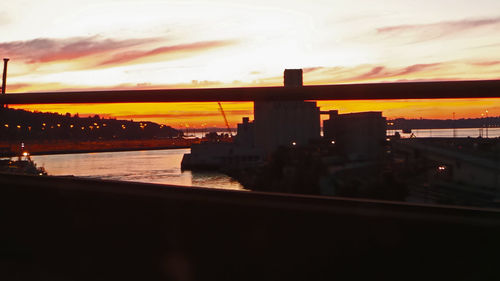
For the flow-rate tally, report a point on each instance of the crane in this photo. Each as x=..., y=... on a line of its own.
x=225, y=119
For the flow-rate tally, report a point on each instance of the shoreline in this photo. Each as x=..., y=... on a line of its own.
x=106, y=150
x=70, y=147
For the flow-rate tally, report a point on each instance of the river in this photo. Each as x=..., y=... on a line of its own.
x=150, y=166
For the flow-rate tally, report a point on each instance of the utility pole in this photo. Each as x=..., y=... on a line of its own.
x=482, y=125
x=487, y=123
x=4, y=77
x=454, y=126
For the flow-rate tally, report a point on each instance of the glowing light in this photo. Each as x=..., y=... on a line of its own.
x=26, y=154
x=58, y=125
x=43, y=124
x=6, y=125
x=294, y=143
x=332, y=142
x=83, y=128
x=19, y=126
x=71, y=126
x=442, y=168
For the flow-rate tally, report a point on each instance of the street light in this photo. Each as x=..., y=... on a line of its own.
x=486, y=122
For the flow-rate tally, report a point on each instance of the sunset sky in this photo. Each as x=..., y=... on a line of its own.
x=57, y=45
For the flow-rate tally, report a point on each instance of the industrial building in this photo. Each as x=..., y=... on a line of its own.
x=286, y=123
x=276, y=123
x=360, y=136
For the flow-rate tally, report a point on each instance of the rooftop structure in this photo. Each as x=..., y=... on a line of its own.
x=292, y=78
x=359, y=135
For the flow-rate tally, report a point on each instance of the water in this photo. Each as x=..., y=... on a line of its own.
x=151, y=166
x=163, y=166
x=450, y=133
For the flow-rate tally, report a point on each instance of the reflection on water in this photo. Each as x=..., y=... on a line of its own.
x=151, y=166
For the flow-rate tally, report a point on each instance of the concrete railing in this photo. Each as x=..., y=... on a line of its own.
x=77, y=229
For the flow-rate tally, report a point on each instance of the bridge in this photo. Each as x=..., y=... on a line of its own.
x=375, y=91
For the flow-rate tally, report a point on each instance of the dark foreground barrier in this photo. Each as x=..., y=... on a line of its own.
x=74, y=229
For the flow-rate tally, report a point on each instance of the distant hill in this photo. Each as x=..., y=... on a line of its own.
x=401, y=123
x=17, y=124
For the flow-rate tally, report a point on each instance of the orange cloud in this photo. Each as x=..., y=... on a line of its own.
x=17, y=87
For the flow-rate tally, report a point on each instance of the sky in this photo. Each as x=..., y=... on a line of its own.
x=56, y=45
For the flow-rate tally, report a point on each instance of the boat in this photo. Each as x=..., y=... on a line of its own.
x=23, y=165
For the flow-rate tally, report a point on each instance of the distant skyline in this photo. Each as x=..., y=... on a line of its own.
x=58, y=45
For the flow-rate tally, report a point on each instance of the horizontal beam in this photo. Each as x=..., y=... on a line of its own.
x=375, y=91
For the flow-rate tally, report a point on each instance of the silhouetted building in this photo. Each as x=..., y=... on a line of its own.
x=215, y=155
x=360, y=136
x=245, y=133
x=286, y=123
x=277, y=123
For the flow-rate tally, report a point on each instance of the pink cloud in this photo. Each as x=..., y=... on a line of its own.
x=424, y=32
x=48, y=50
x=368, y=72
x=486, y=63
x=128, y=56
x=375, y=72
x=417, y=68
